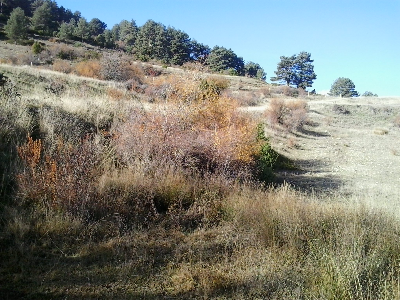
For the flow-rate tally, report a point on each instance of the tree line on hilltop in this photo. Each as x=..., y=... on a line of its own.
x=152, y=41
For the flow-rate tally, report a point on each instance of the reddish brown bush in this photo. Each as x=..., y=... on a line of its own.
x=287, y=114
x=151, y=71
x=119, y=68
x=62, y=66
x=64, y=178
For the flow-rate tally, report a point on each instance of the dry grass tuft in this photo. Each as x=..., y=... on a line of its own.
x=381, y=131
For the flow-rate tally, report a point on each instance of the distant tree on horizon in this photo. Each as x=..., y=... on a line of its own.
x=254, y=70
x=343, y=87
x=369, y=94
x=296, y=70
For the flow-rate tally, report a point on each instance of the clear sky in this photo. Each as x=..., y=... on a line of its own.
x=357, y=39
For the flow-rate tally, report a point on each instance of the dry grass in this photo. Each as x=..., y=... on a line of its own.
x=397, y=121
x=111, y=199
x=381, y=131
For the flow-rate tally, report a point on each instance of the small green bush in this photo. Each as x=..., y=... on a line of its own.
x=267, y=160
x=37, y=48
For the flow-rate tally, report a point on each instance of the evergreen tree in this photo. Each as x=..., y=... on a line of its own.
x=222, y=59
x=17, y=25
x=64, y=15
x=179, y=46
x=254, y=70
x=152, y=42
x=42, y=19
x=296, y=70
x=9, y=5
x=95, y=28
x=343, y=87
x=77, y=15
x=199, y=52
x=127, y=32
x=67, y=30
x=369, y=94
x=82, y=29
x=109, y=42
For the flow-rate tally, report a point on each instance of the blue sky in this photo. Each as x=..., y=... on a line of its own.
x=358, y=39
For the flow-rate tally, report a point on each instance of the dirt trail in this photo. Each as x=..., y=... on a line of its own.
x=352, y=149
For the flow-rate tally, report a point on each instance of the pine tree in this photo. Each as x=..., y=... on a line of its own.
x=82, y=29
x=152, y=42
x=222, y=59
x=66, y=31
x=44, y=17
x=179, y=46
x=17, y=25
x=343, y=87
x=127, y=32
x=296, y=70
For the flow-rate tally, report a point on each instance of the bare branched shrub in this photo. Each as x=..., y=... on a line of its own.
x=117, y=67
x=27, y=59
x=151, y=71
x=291, y=115
x=196, y=66
x=63, y=51
x=265, y=92
x=244, y=98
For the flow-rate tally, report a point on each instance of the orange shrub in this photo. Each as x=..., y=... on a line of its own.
x=62, y=66
x=90, y=68
x=64, y=178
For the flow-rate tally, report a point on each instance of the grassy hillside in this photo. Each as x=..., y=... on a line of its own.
x=161, y=189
